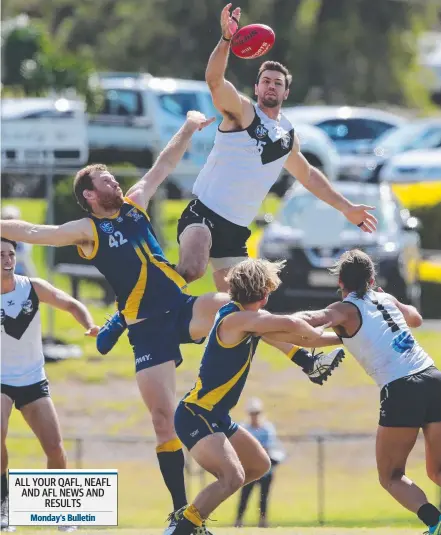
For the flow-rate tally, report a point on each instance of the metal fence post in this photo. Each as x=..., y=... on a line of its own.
x=49, y=250
x=78, y=452
x=321, y=480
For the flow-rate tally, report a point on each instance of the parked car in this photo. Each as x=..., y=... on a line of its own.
x=413, y=166
x=43, y=131
x=140, y=114
x=416, y=135
x=311, y=236
x=351, y=129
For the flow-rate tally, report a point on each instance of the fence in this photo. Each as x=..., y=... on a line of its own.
x=321, y=471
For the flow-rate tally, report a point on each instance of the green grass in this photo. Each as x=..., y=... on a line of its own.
x=97, y=396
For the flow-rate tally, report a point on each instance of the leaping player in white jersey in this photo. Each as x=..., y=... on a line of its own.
x=23, y=379
x=252, y=145
x=375, y=327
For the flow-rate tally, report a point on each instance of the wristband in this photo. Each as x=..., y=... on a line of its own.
x=225, y=39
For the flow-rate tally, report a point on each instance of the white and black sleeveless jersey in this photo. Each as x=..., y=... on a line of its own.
x=22, y=359
x=242, y=167
x=384, y=345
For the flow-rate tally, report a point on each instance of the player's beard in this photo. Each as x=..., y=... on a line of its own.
x=271, y=102
x=110, y=201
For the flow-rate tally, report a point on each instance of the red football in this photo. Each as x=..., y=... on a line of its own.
x=252, y=41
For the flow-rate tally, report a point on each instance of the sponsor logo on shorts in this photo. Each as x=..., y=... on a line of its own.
x=194, y=433
x=107, y=227
x=144, y=358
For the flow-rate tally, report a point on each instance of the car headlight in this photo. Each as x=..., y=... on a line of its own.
x=382, y=250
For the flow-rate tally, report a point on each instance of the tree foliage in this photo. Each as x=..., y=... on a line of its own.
x=351, y=51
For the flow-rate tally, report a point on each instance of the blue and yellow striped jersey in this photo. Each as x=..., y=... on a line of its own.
x=129, y=256
x=224, y=369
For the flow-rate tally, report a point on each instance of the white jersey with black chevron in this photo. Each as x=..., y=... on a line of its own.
x=242, y=167
x=22, y=359
x=384, y=345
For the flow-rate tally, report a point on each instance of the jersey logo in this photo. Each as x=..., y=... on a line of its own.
x=11, y=303
x=119, y=219
x=134, y=214
x=261, y=131
x=27, y=307
x=285, y=141
x=403, y=342
x=17, y=326
x=107, y=227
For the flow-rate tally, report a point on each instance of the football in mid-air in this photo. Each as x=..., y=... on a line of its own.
x=252, y=41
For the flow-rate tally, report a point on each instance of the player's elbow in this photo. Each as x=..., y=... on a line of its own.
x=214, y=81
x=415, y=319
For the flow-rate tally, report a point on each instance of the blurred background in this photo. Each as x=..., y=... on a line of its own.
x=111, y=82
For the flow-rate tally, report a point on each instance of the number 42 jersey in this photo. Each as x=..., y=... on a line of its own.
x=129, y=256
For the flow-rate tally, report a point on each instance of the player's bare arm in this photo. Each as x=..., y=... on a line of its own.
x=57, y=298
x=169, y=158
x=286, y=341
x=235, y=109
x=411, y=315
x=236, y=326
x=77, y=232
x=316, y=182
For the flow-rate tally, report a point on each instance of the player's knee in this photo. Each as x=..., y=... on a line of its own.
x=233, y=480
x=388, y=478
x=259, y=468
x=54, y=449
x=162, y=421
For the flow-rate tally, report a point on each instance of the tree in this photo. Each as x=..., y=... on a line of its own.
x=34, y=64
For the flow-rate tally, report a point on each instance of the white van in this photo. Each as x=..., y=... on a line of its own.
x=141, y=113
x=43, y=131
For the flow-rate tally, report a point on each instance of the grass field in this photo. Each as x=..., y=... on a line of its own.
x=97, y=397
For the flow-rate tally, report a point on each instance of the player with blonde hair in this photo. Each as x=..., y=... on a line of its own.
x=202, y=419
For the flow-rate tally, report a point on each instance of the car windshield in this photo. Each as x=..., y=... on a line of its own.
x=179, y=103
x=412, y=136
x=304, y=211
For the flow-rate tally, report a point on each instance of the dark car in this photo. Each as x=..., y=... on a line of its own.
x=311, y=236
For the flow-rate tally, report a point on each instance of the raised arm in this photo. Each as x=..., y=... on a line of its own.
x=57, y=298
x=71, y=233
x=225, y=96
x=169, y=158
x=316, y=182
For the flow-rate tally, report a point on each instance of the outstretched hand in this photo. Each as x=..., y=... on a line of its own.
x=359, y=214
x=229, y=22
x=93, y=331
x=198, y=121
